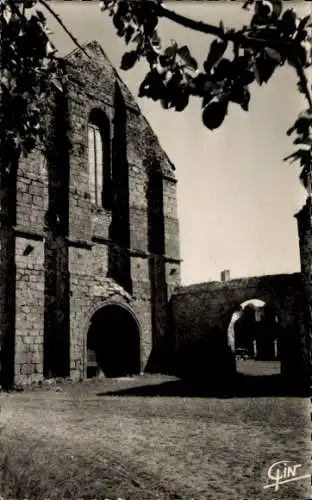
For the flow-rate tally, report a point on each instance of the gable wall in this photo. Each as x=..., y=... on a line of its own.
x=64, y=278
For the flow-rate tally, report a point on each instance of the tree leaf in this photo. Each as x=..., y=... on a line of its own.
x=303, y=23
x=247, y=77
x=128, y=60
x=289, y=21
x=217, y=49
x=273, y=54
x=40, y=16
x=291, y=130
x=153, y=86
x=122, y=9
x=166, y=102
x=302, y=124
x=277, y=8
x=145, y=84
x=214, y=113
x=171, y=51
x=305, y=176
x=185, y=54
x=241, y=96
x=300, y=140
x=298, y=155
x=305, y=161
x=118, y=22
x=223, y=70
x=264, y=68
x=129, y=31
x=181, y=100
x=150, y=24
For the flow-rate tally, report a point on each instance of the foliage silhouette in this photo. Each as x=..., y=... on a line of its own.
x=30, y=69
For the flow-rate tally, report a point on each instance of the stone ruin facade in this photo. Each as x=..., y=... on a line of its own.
x=89, y=250
x=89, y=237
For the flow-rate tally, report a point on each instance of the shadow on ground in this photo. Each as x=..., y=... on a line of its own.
x=241, y=386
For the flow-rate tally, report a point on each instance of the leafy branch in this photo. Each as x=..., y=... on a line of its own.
x=30, y=75
x=30, y=71
x=236, y=58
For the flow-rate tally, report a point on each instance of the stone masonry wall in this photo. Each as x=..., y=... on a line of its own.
x=62, y=248
x=29, y=306
x=31, y=205
x=93, y=85
x=200, y=307
x=204, y=310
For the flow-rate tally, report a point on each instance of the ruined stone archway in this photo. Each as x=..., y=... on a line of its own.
x=113, y=342
x=200, y=309
x=254, y=328
x=254, y=336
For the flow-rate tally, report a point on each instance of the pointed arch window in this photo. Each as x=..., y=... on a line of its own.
x=99, y=159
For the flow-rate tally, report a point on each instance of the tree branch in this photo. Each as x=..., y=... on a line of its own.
x=208, y=29
x=59, y=20
x=217, y=31
x=304, y=82
x=230, y=35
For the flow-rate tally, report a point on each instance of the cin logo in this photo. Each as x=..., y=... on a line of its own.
x=284, y=471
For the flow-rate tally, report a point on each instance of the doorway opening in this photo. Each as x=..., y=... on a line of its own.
x=113, y=343
x=254, y=337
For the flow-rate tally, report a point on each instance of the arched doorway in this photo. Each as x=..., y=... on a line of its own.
x=254, y=336
x=113, y=343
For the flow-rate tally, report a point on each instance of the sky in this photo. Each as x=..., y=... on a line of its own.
x=236, y=197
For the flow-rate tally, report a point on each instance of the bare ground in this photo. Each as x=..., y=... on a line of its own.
x=136, y=439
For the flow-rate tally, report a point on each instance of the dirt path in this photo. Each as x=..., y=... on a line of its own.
x=80, y=442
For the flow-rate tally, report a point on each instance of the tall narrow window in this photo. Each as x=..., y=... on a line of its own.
x=99, y=159
x=95, y=164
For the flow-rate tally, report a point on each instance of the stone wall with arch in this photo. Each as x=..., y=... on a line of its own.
x=113, y=340
x=62, y=254
x=202, y=312
x=89, y=296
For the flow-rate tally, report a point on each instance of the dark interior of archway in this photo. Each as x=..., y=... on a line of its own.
x=263, y=333
x=114, y=339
